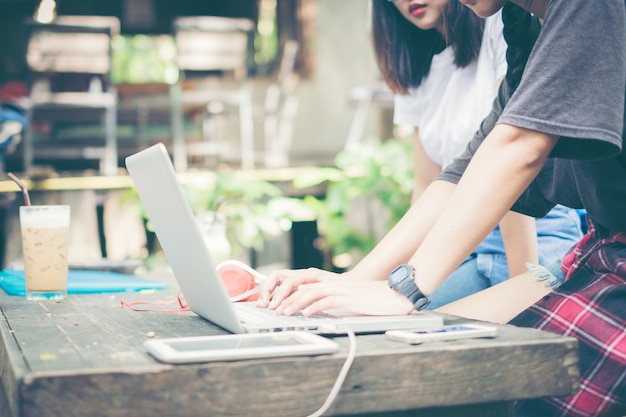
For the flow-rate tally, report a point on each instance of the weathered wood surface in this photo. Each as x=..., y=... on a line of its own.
x=84, y=357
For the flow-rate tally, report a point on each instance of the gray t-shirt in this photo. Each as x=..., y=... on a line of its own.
x=574, y=86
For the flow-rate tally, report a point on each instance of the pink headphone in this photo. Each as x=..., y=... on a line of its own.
x=241, y=281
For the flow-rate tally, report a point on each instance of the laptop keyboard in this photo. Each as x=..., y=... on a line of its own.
x=296, y=317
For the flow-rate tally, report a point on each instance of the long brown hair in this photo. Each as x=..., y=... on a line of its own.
x=521, y=30
x=404, y=52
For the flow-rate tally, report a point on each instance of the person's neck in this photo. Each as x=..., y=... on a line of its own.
x=536, y=7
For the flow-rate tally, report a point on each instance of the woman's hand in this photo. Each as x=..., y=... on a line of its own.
x=282, y=283
x=312, y=291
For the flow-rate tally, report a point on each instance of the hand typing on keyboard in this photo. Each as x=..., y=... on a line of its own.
x=311, y=291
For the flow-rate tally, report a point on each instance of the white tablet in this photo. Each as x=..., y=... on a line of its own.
x=239, y=346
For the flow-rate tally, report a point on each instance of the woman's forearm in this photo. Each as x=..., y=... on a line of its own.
x=425, y=170
x=404, y=239
x=504, y=165
x=519, y=235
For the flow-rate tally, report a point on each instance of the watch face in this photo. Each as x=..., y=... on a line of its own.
x=402, y=279
x=399, y=272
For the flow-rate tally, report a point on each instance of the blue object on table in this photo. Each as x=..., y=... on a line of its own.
x=83, y=282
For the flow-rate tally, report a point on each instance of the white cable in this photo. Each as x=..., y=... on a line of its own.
x=342, y=373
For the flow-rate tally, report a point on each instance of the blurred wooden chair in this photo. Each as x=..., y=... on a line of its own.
x=212, y=57
x=70, y=64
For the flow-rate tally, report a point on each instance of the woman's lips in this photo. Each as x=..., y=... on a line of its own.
x=417, y=9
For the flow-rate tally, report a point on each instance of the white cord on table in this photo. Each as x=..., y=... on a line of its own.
x=342, y=373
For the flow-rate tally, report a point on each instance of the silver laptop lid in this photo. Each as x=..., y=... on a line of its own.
x=175, y=225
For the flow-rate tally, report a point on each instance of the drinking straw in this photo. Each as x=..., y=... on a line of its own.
x=22, y=186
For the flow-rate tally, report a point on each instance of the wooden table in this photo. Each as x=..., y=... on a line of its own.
x=84, y=357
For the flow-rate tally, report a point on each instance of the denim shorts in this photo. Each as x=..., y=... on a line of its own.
x=551, y=274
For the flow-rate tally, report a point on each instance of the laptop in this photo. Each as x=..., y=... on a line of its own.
x=180, y=237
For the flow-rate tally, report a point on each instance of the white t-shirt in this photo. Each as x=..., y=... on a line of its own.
x=449, y=105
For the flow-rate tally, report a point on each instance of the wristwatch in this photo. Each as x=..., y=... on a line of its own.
x=402, y=279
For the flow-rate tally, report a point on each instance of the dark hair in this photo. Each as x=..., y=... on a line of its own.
x=404, y=52
x=521, y=30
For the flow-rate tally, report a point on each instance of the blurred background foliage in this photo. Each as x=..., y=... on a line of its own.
x=256, y=210
x=142, y=59
x=367, y=194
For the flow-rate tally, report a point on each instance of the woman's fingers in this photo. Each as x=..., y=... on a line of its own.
x=312, y=290
x=267, y=288
x=280, y=284
x=306, y=295
x=358, y=296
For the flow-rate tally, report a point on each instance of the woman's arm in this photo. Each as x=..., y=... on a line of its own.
x=402, y=241
x=457, y=218
x=446, y=223
x=424, y=169
x=502, y=302
x=519, y=235
x=501, y=169
x=395, y=248
x=363, y=289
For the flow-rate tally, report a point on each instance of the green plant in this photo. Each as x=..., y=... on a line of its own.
x=256, y=210
x=373, y=178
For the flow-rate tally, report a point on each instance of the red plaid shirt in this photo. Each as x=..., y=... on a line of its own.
x=590, y=306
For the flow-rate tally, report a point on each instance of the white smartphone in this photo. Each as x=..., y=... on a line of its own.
x=452, y=332
x=239, y=346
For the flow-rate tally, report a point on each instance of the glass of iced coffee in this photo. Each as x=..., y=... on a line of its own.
x=45, y=238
